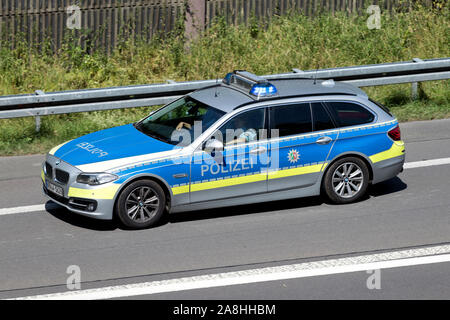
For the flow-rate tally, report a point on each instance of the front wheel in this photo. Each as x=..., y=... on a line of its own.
x=141, y=204
x=346, y=180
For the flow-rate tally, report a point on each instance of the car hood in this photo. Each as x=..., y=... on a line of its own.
x=106, y=149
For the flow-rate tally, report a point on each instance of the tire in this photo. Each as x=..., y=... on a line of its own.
x=141, y=204
x=346, y=180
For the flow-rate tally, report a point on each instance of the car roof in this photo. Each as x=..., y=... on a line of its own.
x=227, y=98
x=221, y=97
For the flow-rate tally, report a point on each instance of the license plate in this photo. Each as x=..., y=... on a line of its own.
x=55, y=189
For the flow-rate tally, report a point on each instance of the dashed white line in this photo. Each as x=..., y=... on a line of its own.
x=27, y=209
x=426, y=163
x=24, y=209
x=396, y=259
x=408, y=165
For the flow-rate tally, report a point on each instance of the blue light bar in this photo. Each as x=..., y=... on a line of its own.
x=263, y=90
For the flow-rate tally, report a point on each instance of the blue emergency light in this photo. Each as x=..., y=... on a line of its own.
x=263, y=90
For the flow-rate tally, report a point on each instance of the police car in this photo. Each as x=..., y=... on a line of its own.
x=244, y=140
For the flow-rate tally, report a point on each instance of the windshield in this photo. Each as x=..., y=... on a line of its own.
x=180, y=122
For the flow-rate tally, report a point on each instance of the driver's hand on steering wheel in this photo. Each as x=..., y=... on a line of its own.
x=183, y=124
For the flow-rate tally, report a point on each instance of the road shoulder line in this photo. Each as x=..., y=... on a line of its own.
x=388, y=260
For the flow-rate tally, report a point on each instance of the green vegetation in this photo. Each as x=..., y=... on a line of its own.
x=294, y=41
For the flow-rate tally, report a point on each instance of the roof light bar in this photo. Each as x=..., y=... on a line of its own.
x=242, y=76
x=250, y=76
x=256, y=85
x=263, y=90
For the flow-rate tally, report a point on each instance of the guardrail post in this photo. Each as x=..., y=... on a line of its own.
x=37, y=118
x=415, y=86
x=414, y=94
x=38, y=123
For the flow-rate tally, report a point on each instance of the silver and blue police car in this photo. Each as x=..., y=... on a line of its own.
x=244, y=140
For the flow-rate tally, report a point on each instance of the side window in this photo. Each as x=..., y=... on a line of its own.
x=243, y=128
x=350, y=114
x=322, y=120
x=291, y=119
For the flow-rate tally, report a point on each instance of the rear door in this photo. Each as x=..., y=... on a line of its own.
x=359, y=131
x=302, y=135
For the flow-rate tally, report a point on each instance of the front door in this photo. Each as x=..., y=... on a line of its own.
x=239, y=169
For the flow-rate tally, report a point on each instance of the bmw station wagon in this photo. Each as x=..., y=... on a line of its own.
x=244, y=140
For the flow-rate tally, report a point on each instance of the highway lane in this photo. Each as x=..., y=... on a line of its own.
x=36, y=248
x=415, y=282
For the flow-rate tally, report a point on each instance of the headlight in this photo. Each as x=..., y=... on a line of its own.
x=96, y=178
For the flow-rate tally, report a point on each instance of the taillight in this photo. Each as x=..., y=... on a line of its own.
x=395, y=133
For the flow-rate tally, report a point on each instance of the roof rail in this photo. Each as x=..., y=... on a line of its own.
x=301, y=96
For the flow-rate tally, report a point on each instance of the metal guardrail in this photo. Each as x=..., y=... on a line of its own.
x=40, y=103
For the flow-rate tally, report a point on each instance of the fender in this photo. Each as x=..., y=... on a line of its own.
x=139, y=176
x=349, y=153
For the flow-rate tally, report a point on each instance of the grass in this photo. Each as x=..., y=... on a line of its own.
x=294, y=41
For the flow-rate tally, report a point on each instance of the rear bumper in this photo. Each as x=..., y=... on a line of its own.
x=387, y=169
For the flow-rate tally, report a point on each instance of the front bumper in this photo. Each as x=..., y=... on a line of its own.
x=91, y=201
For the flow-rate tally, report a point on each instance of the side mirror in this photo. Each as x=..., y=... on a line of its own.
x=213, y=145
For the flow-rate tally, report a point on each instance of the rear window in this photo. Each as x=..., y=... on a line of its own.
x=350, y=114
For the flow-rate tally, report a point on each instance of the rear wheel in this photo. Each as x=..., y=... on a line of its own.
x=346, y=180
x=141, y=204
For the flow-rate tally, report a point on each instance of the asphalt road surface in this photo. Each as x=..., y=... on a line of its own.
x=410, y=212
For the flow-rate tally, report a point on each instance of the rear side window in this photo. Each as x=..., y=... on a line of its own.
x=291, y=119
x=350, y=114
x=321, y=118
x=384, y=108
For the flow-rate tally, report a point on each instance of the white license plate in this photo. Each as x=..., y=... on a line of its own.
x=55, y=189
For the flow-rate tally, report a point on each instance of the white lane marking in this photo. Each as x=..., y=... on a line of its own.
x=426, y=163
x=403, y=258
x=27, y=209
x=408, y=165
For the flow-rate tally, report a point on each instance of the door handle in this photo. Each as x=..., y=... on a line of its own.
x=324, y=140
x=258, y=150
x=180, y=175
